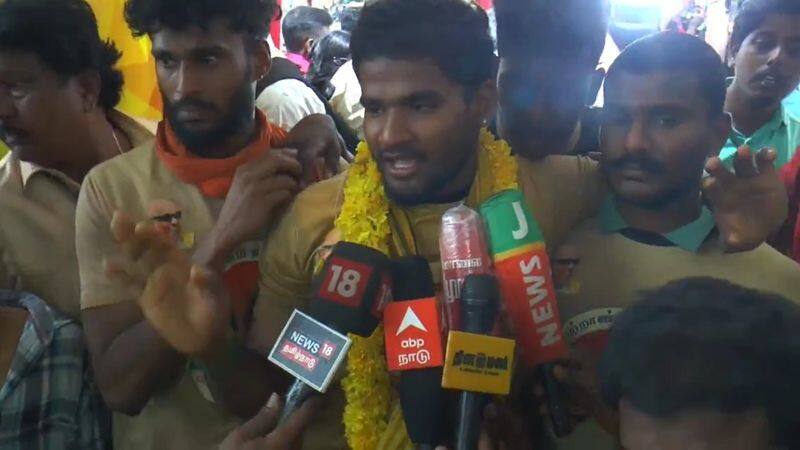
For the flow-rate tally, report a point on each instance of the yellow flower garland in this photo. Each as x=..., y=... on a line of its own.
x=364, y=219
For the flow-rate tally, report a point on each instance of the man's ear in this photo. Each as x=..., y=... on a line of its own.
x=261, y=59
x=308, y=48
x=484, y=101
x=89, y=85
x=722, y=126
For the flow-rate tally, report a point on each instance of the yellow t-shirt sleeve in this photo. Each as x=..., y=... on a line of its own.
x=563, y=191
x=289, y=260
x=94, y=243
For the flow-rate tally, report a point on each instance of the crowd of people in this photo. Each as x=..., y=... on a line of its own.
x=145, y=275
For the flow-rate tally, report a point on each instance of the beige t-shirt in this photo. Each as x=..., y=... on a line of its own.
x=37, y=227
x=562, y=192
x=599, y=273
x=140, y=185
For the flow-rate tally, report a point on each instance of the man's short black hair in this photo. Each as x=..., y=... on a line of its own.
x=250, y=17
x=63, y=34
x=554, y=28
x=753, y=13
x=671, y=51
x=303, y=23
x=347, y=18
x=707, y=343
x=453, y=33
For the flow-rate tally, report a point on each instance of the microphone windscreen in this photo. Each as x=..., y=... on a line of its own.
x=411, y=279
x=350, y=289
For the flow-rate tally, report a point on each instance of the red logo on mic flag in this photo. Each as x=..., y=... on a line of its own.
x=412, y=335
x=345, y=282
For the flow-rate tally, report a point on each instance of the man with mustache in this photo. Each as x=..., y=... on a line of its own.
x=426, y=69
x=211, y=185
x=663, y=118
x=58, y=91
x=765, y=52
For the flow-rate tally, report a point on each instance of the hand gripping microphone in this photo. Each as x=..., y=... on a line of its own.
x=349, y=295
x=523, y=271
x=414, y=347
x=479, y=304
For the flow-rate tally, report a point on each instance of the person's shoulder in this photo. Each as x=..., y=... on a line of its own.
x=124, y=168
x=770, y=270
x=321, y=200
x=558, y=165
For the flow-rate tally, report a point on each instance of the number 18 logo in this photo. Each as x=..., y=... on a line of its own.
x=346, y=281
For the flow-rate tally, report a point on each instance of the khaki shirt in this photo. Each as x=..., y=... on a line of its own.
x=562, y=191
x=37, y=227
x=139, y=184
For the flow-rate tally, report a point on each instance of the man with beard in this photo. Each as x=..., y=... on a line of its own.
x=765, y=45
x=663, y=119
x=210, y=185
x=427, y=72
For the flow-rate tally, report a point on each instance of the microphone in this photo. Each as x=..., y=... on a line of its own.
x=414, y=347
x=349, y=295
x=479, y=303
x=523, y=271
x=463, y=250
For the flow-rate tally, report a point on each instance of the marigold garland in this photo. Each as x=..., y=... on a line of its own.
x=364, y=219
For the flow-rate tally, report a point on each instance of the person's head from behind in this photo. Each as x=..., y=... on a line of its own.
x=765, y=50
x=303, y=26
x=546, y=76
x=209, y=54
x=347, y=18
x=705, y=364
x=426, y=69
x=330, y=53
x=663, y=117
x=55, y=75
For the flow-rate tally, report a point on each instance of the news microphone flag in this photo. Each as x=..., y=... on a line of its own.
x=522, y=267
x=349, y=294
x=414, y=347
x=480, y=363
x=523, y=270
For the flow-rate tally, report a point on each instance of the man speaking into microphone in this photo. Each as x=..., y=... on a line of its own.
x=426, y=68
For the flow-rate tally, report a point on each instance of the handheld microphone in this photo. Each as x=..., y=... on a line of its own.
x=463, y=250
x=414, y=347
x=349, y=295
x=522, y=267
x=479, y=304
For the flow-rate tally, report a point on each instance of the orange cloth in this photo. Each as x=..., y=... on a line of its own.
x=213, y=176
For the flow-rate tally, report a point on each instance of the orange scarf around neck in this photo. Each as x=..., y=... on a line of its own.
x=214, y=176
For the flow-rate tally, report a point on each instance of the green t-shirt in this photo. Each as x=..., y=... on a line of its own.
x=782, y=133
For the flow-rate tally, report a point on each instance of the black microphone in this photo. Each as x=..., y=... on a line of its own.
x=480, y=299
x=421, y=395
x=349, y=294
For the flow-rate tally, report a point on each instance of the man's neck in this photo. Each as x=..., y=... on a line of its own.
x=233, y=145
x=748, y=115
x=664, y=219
x=101, y=142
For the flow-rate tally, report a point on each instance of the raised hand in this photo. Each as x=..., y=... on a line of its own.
x=749, y=203
x=186, y=304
